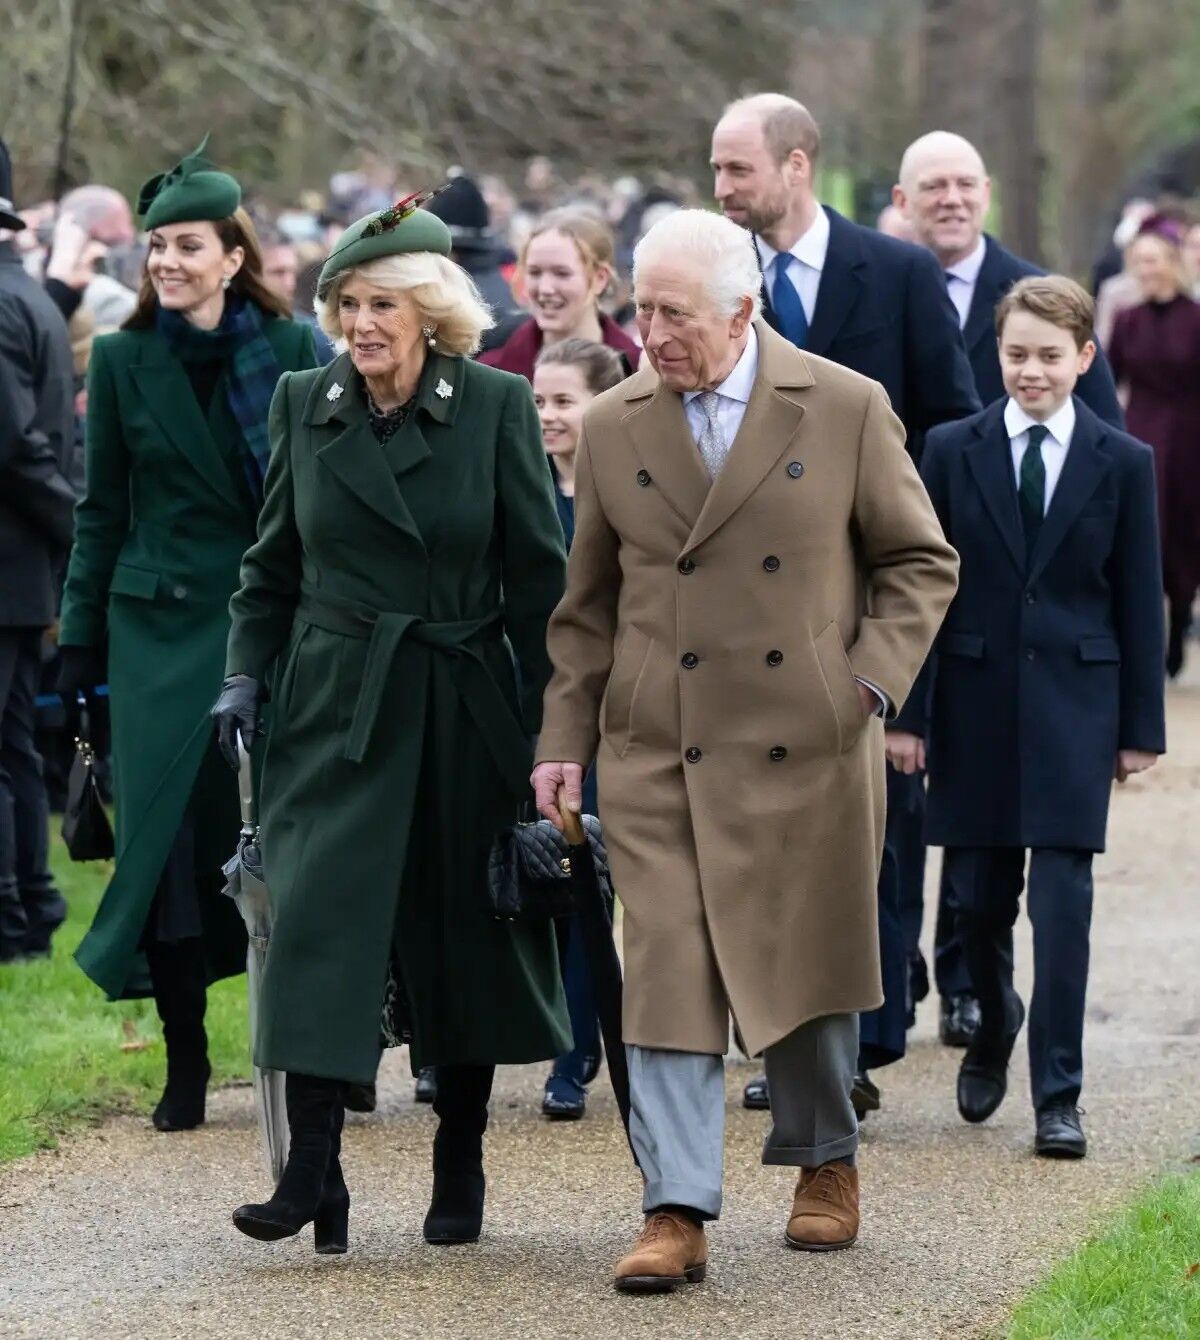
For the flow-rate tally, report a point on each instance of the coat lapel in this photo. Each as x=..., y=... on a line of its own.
x=771, y=421
x=1085, y=466
x=990, y=460
x=168, y=395
x=338, y=404
x=981, y=315
x=663, y=444
x=841, y=282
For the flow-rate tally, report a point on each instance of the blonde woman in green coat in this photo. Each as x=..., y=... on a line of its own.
x=409, y=557
x=176, y=454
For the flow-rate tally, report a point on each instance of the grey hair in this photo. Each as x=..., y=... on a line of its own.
x=726, y=252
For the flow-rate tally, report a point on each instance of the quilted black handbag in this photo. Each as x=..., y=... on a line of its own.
x=529, y=871
x=85, y=828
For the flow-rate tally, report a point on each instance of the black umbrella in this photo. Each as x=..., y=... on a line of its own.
x=601, y=950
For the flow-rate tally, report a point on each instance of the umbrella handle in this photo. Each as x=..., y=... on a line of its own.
x=572, y=825
x=245, y=786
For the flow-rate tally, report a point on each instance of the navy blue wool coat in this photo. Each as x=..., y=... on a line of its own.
x=1047, y=663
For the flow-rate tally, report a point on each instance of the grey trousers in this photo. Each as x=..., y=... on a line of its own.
x=677, y=1117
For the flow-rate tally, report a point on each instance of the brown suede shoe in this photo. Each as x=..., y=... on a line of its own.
x=671, y=1251
x=825, y=1210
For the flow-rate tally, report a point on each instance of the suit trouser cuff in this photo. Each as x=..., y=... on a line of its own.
x=705, y=1200
x=810, y=1156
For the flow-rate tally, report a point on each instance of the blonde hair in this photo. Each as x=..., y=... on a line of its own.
x=592, y=237
x=1053, y=298
x=445, y=295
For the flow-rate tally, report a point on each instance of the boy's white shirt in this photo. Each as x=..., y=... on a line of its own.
x=1060, y=426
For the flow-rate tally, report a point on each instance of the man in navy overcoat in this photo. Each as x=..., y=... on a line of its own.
x=880, y=307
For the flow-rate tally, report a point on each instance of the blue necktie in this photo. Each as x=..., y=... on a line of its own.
x=786, y=304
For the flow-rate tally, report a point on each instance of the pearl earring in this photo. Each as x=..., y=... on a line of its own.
x=430, y=335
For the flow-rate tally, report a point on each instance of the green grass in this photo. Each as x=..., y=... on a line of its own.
x=61, y=1058
x=1140, y=1280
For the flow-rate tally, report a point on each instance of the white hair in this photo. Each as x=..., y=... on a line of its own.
x=725, y=251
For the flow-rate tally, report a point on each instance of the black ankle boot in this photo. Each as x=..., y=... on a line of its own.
x=456, y=1209
x=312, y=1187
x=180, y=995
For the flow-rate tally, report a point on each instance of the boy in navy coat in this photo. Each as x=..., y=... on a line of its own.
x=1045, y=683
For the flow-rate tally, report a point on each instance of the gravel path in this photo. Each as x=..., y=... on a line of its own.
x=126, y=1233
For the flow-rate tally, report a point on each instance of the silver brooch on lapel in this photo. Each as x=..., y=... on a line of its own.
x=335, y=391
x=443, y=389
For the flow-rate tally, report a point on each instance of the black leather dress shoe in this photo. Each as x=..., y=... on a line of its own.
x=983, y=1075
x=755, y=1095
x=959, y=1021
x=864, y=1094
x=1060, y=1133
x=426, y=1086
x=360, y=1098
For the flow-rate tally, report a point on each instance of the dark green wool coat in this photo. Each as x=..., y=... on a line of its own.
x=159, y=538
x=390, y=588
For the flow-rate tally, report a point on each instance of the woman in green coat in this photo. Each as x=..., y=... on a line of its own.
x=409, y=557
x=176, y=455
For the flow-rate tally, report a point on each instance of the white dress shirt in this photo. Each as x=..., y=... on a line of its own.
x=962, y=278
x=810, y=251
x=1055, y=445
x=733, y=393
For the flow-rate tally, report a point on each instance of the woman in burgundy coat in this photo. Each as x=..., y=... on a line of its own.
x=566, y=265
x=1155, y=355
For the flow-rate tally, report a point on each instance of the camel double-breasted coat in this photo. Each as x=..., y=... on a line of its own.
x=706, y=652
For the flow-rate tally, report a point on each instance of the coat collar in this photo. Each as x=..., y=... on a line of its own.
x=664, y=445
x=990, y=458
x=163, y=383
x=339, y=392
x=841, y=282
x=994, y=275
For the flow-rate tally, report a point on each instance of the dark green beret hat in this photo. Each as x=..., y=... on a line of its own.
x=193, y=189
x=388, y=232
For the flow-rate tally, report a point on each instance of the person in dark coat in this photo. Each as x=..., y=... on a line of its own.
x=176, y=451
x=566, y=266
x=408, y=559
x=1045, y=682
x=568, y=376
x=1156, y=353
x=462, y=208
x=945, y=193
x=878, y=306
x=36, y=506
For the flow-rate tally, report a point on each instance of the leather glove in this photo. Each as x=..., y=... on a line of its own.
x=236, y=712
x=80, y=668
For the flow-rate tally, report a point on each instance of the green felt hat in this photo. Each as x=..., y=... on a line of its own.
x=193, y=189
x=388, y=232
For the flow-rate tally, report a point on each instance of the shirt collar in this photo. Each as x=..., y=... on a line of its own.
x=969, y=267
x=1060, y=425
x=811, y=249
x=740, y=382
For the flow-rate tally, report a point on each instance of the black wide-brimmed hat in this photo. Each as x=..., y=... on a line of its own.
x=9, y=218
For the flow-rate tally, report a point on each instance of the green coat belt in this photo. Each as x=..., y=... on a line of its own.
x=398, y=597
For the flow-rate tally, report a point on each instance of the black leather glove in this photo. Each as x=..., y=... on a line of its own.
x=80, y=668
x=236, y=712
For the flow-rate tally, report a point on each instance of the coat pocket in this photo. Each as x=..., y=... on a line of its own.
x=632, y=655
x=140, y=583
x=841, y=685
x=969, y=645
x=1099, y=649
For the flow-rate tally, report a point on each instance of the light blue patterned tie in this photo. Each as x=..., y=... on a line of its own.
x=712, y=444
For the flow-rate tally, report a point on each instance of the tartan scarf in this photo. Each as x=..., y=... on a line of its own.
x=239, y=342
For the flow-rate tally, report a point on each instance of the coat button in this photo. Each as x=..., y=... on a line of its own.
x=778, y=754
x=1029, y=653
x=1030, y=598
x=689, y=660
x=770, y=563
x=179, y=592
x=693, y=755
x=643, y=478
x=686, y=566
x=795, y=469
x=774, y=658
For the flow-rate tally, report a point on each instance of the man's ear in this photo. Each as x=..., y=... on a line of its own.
x=1086, y=357
x=800, y=166
x=741, y=318
x=899, y=199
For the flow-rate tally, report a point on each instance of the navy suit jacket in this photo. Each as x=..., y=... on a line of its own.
x=999, y=272
x=1048, y=662
x=883, y=310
